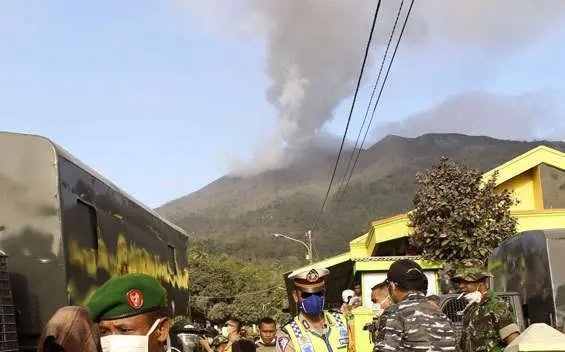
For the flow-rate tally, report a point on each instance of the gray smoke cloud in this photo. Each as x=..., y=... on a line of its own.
x=314, y=52
x=270, y=157
x=493, y=26
x=314, y=49
x=523, y=117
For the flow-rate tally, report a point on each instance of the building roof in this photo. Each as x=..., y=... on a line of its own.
x=524, y=162
x=394, y=227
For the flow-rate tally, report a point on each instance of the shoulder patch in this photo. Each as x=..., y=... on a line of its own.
x=282, y=342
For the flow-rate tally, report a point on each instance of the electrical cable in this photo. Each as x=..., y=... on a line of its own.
x=350, y=114
x=349, y=169
x=380, y=92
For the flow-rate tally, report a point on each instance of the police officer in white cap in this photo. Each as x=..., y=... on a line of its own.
x=313, y=329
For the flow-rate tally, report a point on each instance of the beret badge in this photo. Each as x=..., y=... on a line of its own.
x=135, y=299
x=312, y=276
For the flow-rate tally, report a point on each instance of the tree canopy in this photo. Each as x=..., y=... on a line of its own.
x=457, y=215
x=222, y=286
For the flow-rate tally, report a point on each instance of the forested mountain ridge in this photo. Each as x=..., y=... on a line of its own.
x=238, y=215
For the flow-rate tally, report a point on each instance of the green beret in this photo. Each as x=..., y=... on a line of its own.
x=470, y=270
x=126, y=295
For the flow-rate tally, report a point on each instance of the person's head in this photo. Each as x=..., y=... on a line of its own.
x=380, y=296
x=346, y=295
x=233, y=327
x=267, y=330
x=243, y=346
x=405, y=276
x=309, y=292
x=465, y=286
x=357, y=289
x=131, y=310
x=69, y=329
x=470, y=276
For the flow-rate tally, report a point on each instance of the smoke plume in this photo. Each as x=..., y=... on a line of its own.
x=522, y=117
x=314, y=49
x=314, y=52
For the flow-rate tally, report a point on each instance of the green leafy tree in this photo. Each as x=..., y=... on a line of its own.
x=220, y=312
x=457, y=215
x=250, y=308
x=222, y=286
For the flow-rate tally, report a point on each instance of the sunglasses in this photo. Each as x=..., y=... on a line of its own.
x=308, y=294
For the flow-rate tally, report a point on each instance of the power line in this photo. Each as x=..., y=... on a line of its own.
x=367, y=47
x=380, y=92
x=349, y=170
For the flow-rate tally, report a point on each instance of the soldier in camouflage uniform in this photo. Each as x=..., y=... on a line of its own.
x=379, y=333
x=489, y=324
x=412, y=323
x=381, y=302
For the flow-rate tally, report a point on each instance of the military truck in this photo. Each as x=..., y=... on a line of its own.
x=528, y=270
x=532, y=264
x=66, y=230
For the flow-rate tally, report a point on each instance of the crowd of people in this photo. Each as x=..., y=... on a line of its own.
x=406, y=319
x=130, y=313
x=233, y=337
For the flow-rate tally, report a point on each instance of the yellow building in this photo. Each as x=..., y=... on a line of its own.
x=537, y=179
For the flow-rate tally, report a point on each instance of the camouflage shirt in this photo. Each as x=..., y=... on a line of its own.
x=379, y=334
x=416, y=325
x=487, y=324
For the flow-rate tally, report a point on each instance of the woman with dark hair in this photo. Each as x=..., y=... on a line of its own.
x=243, y=346
x=70, y=329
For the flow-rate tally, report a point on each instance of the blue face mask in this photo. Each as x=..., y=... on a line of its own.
x=312, y=305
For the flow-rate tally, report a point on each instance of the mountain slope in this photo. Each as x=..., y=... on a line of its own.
x=240, y=215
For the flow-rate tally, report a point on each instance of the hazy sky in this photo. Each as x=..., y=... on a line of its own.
x=162, y=97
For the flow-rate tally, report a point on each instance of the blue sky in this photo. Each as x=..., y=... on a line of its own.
x=159, y=104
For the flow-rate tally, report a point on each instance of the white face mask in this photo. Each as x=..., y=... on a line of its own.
x=128, y=343
x=378, y=307
x=473, y=297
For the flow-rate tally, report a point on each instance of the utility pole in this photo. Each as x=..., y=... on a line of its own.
x=309, y=255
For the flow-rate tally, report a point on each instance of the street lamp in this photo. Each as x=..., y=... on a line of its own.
x=307, y=244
